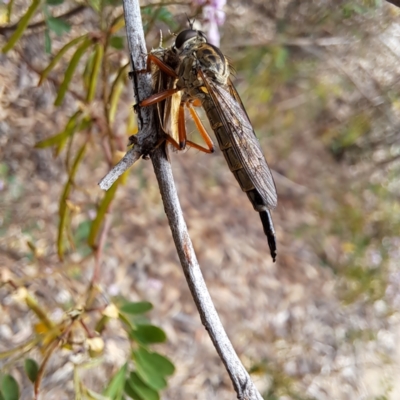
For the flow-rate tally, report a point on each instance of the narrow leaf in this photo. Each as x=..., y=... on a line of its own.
x=116, y=90
x=136, y=308
x=70, y=70
x=63, y=205
x=58, y=26
x=115, y=387
x=61, y=137
x=148, y=334
x=58, y=56
x=54, y=2
x=23, y=23
x=9, y=9
x=141, y=388
x=9, y=388
x=103, y=207
x=98, y=58
x=31, y=369
x=47, y=41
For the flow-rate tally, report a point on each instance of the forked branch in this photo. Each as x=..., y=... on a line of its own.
x=148, y=137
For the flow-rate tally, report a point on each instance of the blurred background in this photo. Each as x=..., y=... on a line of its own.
x=320, y=81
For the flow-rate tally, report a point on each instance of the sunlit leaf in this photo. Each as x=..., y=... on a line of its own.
x=98, y=58
x=140, y=388
x=70, y=70
x=31, y=369
x=117, y=24
x=9, y=388
x=139, y=307
x=58, y=56
x=22, y=25
x=116, y=91
x=115, y=387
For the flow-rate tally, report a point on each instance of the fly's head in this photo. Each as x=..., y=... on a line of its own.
x=188, y=40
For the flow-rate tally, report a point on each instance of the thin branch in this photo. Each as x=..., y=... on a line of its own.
x=148, y=136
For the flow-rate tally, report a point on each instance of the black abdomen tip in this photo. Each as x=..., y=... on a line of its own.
x=269, y=232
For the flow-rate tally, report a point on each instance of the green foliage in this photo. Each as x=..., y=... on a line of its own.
x=31, y=369
x=136, y=308
x=9, y=388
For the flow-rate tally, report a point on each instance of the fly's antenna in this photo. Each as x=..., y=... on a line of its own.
x=191, y=22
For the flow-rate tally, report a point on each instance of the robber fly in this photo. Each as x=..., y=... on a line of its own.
x=193, y=72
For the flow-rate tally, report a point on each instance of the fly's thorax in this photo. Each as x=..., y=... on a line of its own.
x=213, y=63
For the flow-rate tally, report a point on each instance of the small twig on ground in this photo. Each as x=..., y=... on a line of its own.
x=146, y=143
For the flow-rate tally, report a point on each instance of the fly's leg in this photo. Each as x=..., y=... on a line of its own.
x=203, y=132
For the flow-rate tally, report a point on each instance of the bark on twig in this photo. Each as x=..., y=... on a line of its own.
x=148, y=136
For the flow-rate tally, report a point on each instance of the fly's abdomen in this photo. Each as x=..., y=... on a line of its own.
x=230, y=156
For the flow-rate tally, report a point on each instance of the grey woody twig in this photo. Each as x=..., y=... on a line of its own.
x=147, y=144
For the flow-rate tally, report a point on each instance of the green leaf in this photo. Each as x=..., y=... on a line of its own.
x=164, y=365
x=70, y=70
x=136, y=308
x=115, y=387
x=117, y=42
x=148, y=369
x=82, y=232
x=47, y=41
x=115, y=92
x=54, y=2
x=58, y=56
x=61, y=138
x=98, y=57
x=23, y=23
x=139, y=387
x=131, y=392
x=58, y=26
x=9, y=388
x=148, y=334
x=103, y=208
x=31, y=369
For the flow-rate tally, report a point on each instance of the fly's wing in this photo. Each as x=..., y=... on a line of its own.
x=244, y=141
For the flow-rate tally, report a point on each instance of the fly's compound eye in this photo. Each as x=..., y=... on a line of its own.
x=188, y=34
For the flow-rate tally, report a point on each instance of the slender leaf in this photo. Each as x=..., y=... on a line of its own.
x=144, y=392
x=131, y=392
x=61, y=137
x=70, y=70
x=117, y=24
x=115, y=387
x=139, y=307
x=58, y=26
x=107, y=199
x=148, y=334
x=9, y=388
x=23, y=24
x=9, y=9
x=116, y=90
x=47, y=41
x=63, y=205
x=58, y=56
x=98, y=58
x=31, y=369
